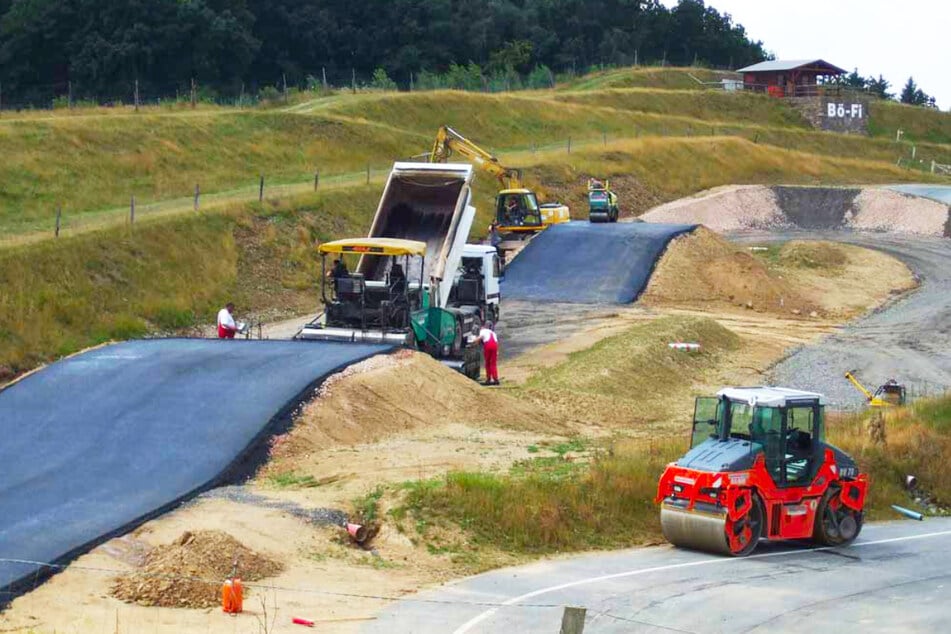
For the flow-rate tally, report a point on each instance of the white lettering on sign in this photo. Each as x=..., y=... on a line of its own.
x=844, y=111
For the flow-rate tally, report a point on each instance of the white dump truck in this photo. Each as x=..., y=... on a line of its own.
x=414, y=281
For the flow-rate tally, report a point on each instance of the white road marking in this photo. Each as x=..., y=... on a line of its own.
x=471, y=623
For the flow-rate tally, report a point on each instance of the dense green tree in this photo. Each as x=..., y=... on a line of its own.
x=100, y=48
x=913, y=95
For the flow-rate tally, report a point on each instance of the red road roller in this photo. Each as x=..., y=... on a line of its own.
x=759, y=468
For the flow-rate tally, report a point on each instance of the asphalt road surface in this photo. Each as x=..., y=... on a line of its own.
x=895, y=578
x=95, y=444
x=580, y=262
x=941, y=193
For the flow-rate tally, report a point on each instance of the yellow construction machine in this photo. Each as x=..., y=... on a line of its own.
x=517, y=212
x=889, y=394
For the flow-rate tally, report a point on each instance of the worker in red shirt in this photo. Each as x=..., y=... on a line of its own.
x=226, y=326
x=490, y=349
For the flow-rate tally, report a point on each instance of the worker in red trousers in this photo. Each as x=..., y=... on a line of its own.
x=490, y=348
x=226, y=326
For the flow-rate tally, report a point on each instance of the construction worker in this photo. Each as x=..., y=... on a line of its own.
x=490, y=350
x=339, y=270
x=226, y=326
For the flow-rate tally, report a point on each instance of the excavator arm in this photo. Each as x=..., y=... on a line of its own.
x=448, y=141
x=861, y=388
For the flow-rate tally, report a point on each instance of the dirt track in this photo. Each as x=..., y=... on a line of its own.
x=909, y=339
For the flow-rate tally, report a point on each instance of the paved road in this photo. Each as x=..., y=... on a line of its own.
x=97, y=443
x=941, y=193
x=895, y=578
x=909, y=340
x=580, y=262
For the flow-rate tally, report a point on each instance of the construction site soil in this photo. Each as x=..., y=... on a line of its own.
x=404, y=417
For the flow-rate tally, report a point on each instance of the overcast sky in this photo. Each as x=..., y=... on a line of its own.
x=895, y=39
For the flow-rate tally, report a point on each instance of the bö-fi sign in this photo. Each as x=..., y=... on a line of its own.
x=844, y=115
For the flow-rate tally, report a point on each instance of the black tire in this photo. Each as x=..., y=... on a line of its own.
x=456, y=341
x=837, y=527
x=756, y=519
x=493, y=313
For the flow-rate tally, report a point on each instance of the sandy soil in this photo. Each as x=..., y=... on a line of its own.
x=406, y=417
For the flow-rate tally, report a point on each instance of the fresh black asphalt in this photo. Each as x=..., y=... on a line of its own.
x=94, y=444
x=584, y=263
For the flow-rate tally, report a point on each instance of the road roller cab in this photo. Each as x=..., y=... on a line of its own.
x=759, y=467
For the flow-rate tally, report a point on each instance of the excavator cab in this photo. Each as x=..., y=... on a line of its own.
x=517, y=210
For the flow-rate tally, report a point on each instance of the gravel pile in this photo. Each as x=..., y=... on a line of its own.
x=188, y=573
x=725, y=209
x=758, y=208
x=889, y=211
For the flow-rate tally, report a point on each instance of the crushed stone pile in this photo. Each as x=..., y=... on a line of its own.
x=760, y=208
x=188, y=573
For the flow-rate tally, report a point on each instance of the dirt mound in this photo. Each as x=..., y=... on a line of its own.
x=188, y=573
x=701, y=267
x=813, y=255
x=387, y=395
x=724, y=209
x=757, y=208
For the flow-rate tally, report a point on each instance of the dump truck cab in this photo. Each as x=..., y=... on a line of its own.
x=759, y=467
x=477, y=283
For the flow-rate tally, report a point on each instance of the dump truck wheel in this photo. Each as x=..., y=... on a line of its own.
x=835, y=523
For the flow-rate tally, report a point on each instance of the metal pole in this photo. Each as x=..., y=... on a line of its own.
x=197, y=195
x=569, y=145
x=132, y=211
x=136, y=95
x=261, y=190
x=59, y=215
x=368, y=173
x=316, y=180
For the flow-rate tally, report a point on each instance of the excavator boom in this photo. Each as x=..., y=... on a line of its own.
x=448, y=141
x=861, y=388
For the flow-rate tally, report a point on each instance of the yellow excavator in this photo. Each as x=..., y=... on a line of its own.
x=517, y=212
x=889, y=394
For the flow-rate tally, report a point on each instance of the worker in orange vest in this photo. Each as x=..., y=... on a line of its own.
x=226, y=326
x=490, y=349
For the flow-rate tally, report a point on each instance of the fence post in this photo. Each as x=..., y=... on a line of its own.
x=914, y=152
x=197, y=195
x=284, y=81
x=261, y=190
x=323, y=72
x=353, y=80
x=194, y=94
x=136, y=95
x=572, y=621
x=316, y=180
x=368, y=173
x=132, y=211
x=604, y=138
x=69, y=98
x=59, y=215
x=932, y=166
x=569, y=145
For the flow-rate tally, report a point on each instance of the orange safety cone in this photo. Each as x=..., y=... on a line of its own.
x=358, y=532
x=232, y=599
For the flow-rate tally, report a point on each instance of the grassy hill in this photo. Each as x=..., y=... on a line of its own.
x=177, y=265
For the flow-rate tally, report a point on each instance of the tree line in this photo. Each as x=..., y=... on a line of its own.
x=97, y=50
x=911, y=94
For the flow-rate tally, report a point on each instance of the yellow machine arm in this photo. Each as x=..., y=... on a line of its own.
x=861, y=388
x=448, y=141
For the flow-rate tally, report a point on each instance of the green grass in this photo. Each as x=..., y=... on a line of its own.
x=918, y=124
x=675, y=78
x=549, y=505
x=917, y=443
x=291, y=480
x=704, y=106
